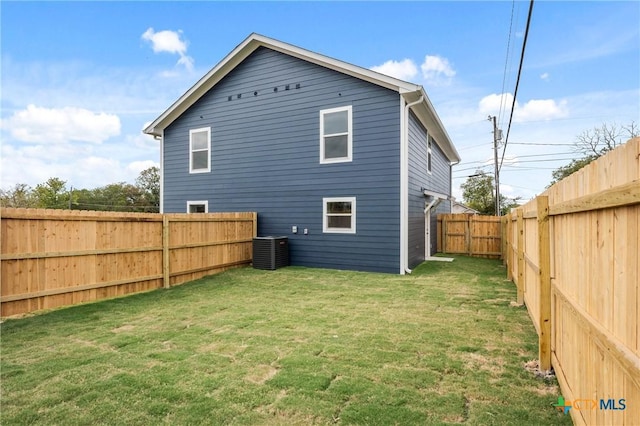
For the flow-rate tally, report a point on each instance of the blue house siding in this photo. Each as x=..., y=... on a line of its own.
x=438, y=181
x=265, y=158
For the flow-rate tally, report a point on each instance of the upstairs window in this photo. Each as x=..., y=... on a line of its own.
x=336, y=135
x=339, y=215
x=198, y=206
x=200, y=150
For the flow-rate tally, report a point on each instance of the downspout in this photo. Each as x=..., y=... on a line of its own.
x=404, y=186
x=161, y=206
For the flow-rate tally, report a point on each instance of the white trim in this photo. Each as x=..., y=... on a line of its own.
x=248, y=46
x=191, y=150
x=427, y=225
x=204, y=203
x=429, y=154
x=349, y=134
x=161, y=209
x=325, y=225
x=404, y=183
x=404, y=190
x=427, y=232
x=435, y=194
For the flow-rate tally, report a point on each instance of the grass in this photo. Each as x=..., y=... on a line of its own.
x=292, y=346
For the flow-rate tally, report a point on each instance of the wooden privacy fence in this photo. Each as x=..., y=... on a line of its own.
x=51, y=258
x=474, y=235
x=573, y=253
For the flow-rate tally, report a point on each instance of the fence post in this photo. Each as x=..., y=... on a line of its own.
x=444, y=234
x=520, y=279
x=503, y=238
x=165, y=251
x=544, y=251
x=255, y=224
x=468, y=234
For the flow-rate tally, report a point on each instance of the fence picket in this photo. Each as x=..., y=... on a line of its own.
x=593, y=264
x=51, y=258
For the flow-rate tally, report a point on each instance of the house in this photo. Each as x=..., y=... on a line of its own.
x=350, y=164
x=457, y=207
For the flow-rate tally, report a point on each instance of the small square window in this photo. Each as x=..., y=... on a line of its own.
x=197, y=206
x=336, y=135
x=339, y=215
x=200, y=150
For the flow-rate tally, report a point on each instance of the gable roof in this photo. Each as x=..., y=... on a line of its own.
x=411, y=92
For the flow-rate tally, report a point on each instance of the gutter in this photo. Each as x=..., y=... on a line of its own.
x=404, y=184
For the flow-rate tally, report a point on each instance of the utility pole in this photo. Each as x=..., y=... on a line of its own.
x=496, y=137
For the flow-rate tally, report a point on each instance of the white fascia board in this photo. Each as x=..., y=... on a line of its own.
x=374, y=77
x=247, y=47
x=201, y=87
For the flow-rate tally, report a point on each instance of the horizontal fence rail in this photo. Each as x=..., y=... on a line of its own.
x=573, y=253
x=52, y=258
x=474, y=235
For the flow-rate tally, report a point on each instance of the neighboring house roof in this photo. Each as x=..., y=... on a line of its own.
x=409, y=91
x=457, y=207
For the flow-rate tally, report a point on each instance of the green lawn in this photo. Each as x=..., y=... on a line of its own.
x=292, y=346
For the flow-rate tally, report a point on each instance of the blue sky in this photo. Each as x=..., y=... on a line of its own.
x=81, y=79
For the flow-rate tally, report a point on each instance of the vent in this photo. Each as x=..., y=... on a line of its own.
x=270, y=253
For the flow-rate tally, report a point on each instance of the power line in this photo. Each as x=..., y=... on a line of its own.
x=506, y=62
x=541, y=144
x=481, y=163
x=515, y=92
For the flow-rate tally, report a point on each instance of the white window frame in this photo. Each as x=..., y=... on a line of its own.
x=325, y=217
x=349, y=156
x=429, y=154
x=204, y=203
x=191, y=150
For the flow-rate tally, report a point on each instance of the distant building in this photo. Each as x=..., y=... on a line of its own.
x=457, y=207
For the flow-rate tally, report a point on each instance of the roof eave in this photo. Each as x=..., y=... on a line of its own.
x=427, y=114
x=248, y=46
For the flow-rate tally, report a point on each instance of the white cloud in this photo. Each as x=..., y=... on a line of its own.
x=532, y=110
x=544, y=76
x=541, y=109
x=403, y=70
x=58, y=125
x=506, y=190
x=170, y=42
x=138, y=166
x=491, y=104
x=437, y=70
x=165, y=41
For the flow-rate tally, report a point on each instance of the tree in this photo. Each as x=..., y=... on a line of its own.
x=594, y=143
x=20, y=196
x=478, y=192
x=144, y=196
x=575, y=165
x=149, y=184
x=52, y=194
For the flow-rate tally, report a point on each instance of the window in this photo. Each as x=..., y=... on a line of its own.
x=197, y=206
x=199, y=150
x=339, y=215
x=336, y=135
x=430, y=141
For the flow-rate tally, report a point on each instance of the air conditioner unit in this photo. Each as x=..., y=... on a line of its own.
x=270, y=252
